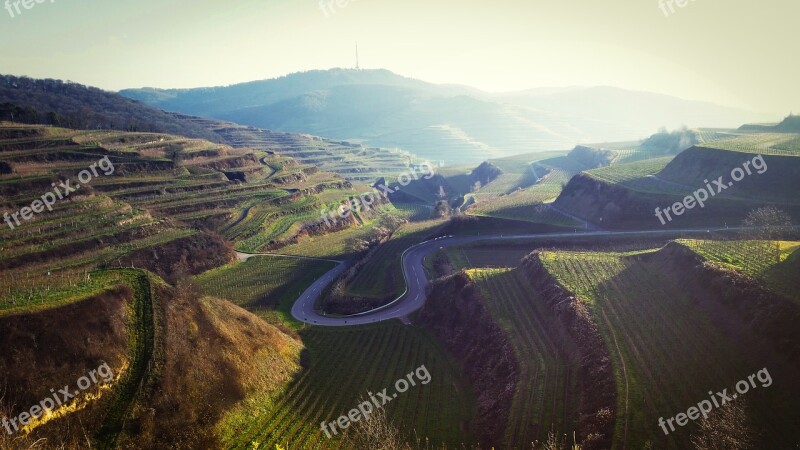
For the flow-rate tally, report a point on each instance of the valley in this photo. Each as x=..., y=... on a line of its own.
x=357, y=303
x=517, y=225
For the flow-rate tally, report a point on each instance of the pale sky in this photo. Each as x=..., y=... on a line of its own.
x=732, y=52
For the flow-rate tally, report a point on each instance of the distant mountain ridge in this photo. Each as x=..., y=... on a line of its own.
x=454, y=124
x=221, y=100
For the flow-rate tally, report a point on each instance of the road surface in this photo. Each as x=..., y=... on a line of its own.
x=416, y=281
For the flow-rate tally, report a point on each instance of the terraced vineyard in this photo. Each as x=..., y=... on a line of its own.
x=265, y=285
x=627, y=172
x=417, y=212
x=641, y=176
x=542, y=402
x=763, y=143
x=479, y=256
x=334, y=384
x=91, y=228
x=352, y=161
x=630, y=152
x=521, y=194
x=266, y=222
x=382, y=274
x=518, y=172
x=666, y=350
x=162, y=189
x=31, y=291
x=635, y=154
x=336, y=245
x=774, y=263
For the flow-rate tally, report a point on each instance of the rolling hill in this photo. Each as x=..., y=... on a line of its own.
x=72, y=105
x=626, y=196
x=453, y=124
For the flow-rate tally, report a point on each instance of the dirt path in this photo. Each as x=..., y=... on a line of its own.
x=127, y=391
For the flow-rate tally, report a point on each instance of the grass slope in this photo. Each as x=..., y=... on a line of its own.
x=264, y=285
x=542, y=402
x=667, y=352
x=343, y=366
x=382, y=274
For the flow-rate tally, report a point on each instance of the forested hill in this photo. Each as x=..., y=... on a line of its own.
x=73, y=105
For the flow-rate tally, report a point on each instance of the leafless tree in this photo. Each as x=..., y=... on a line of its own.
x=375, y=432
x=765, y=227
x=767, y=223
x=724, y=429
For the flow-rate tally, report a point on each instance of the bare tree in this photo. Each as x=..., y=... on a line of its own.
x=554, y=443
x=767, y=223
x=725, y=429
x=375, y=432
x=765, y=227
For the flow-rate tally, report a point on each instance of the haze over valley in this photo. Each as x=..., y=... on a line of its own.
x=450, y=123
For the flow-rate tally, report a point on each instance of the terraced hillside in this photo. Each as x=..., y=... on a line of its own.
x=149, y=190
x=545, y=400
x=528, y=183
x=266, y=285
x=346, y=365
x=787, y=144
x=531, y=182
x=94, y=226
x=755, y=170
x=179, y=208
x=156, y=202
x=353, y=161
x=671, y=343
x=775, y=264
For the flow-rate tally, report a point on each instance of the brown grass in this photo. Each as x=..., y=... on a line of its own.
x=54, y=348
x=215, y=355
x=182, y=257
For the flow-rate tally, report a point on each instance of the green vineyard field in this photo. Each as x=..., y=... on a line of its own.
x=543, y=401
x=344, y=365
x=666, y=351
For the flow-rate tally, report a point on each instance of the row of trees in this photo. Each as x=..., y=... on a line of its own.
x=81, y=120
x=671, y=143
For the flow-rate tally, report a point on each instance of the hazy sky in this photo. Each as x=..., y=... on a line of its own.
x=733, y=52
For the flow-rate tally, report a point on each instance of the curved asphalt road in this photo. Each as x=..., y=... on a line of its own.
x=416, y=282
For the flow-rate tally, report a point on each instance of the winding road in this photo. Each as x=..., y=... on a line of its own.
x=416, y=281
